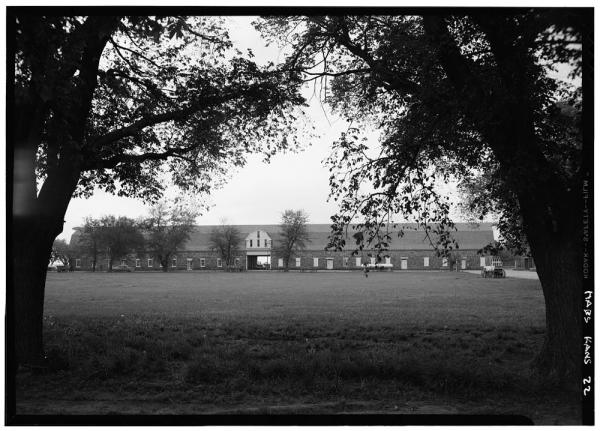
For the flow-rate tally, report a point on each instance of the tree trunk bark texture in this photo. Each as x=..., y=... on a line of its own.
x=558, y=262
x=32, y=245
x=36, y=222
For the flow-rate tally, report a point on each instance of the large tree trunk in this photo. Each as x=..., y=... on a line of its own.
x=560, y=275
x=37, y=218
x=37, y=221
x=558, y=256
x=32, y=245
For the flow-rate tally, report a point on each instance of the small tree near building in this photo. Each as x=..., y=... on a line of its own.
x=294, y=235
x=119, y=236
x=226, y=240
x=62, y=252
x=168, y=229
x=88, y=241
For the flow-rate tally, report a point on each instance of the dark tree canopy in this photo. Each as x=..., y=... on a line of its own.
x=386, y=72
x=153, y=96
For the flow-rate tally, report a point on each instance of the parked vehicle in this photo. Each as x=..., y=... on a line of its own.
x=493, y=271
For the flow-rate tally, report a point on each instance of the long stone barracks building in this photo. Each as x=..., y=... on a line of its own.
x=257, y=251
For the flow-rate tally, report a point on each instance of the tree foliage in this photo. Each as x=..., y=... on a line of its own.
x=484, y=193
x=386, y=72
x=293, y=235
x=158, y=95
x=119, y=236
x=226, y=240
x=167, y=229
x=88, y=239
x=62, y=252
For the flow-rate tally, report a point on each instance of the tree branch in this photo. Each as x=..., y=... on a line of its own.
x=388, y=79
x=151, y=120
x=455, y=65
x=134, y=52
x=139, y=158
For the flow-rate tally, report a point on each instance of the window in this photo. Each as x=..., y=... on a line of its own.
x=280, y=263
x=77, y=263
x=266, y=243
x=189, y=263
x=237, y=261
x=174, y=263
x=250, y=243
x=137, y=263
x=482, y=261
x=426, y=261
x=123, y=262
x=358, y=261
x=445, y=261
x=345, y=261
x=297, y=261
x=258, y=234
x=372, y=261
x=149, y=263
x=219, y=263
x=202, y=262
x=388, y=260
x=315, y=261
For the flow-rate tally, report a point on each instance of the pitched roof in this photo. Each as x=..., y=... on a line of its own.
x=469, y=236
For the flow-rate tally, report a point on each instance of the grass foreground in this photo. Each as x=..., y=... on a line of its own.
x=190, y=343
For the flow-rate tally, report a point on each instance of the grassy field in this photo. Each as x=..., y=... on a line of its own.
x=195, y=343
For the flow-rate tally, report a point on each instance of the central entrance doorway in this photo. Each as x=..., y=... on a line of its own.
x=258, y=262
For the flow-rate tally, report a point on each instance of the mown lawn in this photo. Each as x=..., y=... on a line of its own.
x=196, y=343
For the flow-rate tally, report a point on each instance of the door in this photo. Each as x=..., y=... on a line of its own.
x=329, y=263
x=404, y=264
x=189, y=264
x=463, y=264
